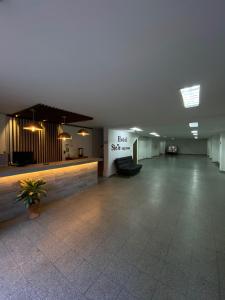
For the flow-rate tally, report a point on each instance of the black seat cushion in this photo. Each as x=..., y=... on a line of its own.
x=126, y=166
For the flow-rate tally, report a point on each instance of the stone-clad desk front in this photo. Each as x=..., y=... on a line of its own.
x=62, y=178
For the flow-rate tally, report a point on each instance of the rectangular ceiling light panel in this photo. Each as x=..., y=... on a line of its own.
x=136, y=129
x=194, y=131
x=154, y=134
x=193, y=125
x=191, y=96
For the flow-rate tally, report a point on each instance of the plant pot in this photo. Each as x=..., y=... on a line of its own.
x=34, y=211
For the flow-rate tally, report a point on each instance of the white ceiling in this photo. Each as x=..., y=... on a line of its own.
x=121, y=62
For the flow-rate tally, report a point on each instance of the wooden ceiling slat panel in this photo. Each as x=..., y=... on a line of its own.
x=45, y=144
x=50, y=114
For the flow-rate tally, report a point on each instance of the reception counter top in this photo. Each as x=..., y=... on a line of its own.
x=62, y=179
x=12, y=170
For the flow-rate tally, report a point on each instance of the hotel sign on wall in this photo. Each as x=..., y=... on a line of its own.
x=118, y=146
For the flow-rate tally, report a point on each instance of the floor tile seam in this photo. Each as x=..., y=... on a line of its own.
x=188, y=274
x=219, y=276
x=173, y=289
x=152, y=276
x=62, y=256
x=12, y=257
x=20, y=271
x=33, y=289
x=105, y=239
x=68, y=282
x=158, y=285
x=124, y=287
x=40, y=265
x=44, y=230
x=117, y=295
x=92, y=283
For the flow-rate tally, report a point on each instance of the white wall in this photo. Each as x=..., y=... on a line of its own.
x=222, y=152
x=190, y=146
x=162, y=147
x=117, y=143
x=148, y=147
x=3, y=138
x=209, y=147
x=215, y=149
x=97, y=142
x=143, y=148
x=76, y=142
x=155, y=148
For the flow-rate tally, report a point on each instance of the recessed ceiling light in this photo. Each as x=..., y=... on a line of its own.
x=193, y=124
x=154, y=134
x=136, y=129
x=191, y=96
x=194, y=131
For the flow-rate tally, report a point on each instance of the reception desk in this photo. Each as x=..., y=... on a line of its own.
x=63, y=178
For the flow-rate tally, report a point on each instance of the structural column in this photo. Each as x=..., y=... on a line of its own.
x=215, y=148
x=209, y=148
x=222, y=152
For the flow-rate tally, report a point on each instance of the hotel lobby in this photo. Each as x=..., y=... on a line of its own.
x=112, y=150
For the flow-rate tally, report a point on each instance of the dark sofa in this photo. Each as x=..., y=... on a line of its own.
x=126, y=166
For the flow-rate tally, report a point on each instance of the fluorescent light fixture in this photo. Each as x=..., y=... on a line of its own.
x=191, y=96
x=194, y=131
x=136, y=129
x=195, y=137
x=193, y=124
x=154, y=134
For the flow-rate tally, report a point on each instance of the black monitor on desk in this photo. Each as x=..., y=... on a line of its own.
x=23, y=158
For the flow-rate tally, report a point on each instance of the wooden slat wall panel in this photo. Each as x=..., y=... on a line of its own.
x=45, y=144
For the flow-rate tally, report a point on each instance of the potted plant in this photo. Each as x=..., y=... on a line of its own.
x=30, y=194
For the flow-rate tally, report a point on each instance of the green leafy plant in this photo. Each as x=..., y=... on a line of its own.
x=31, y=191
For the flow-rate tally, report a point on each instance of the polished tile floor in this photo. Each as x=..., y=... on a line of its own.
x=158, y=235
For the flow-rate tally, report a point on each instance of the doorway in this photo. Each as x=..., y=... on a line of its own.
x=135, y=154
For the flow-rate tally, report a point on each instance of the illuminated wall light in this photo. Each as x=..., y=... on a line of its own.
x=191, y=96
x=193, y=125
